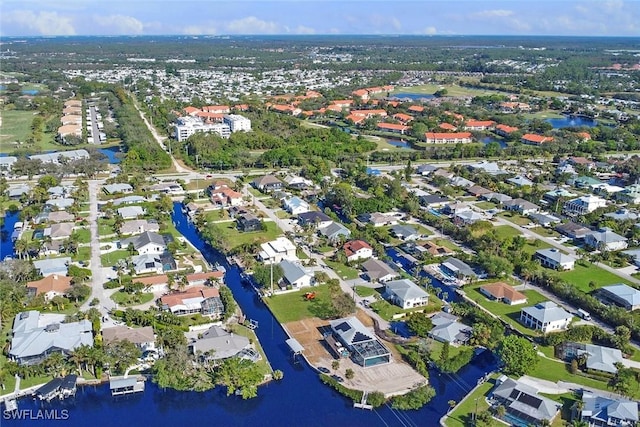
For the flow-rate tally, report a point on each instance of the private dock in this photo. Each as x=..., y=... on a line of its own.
x=120, y=386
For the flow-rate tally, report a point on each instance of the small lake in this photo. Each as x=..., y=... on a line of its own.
x=398, y=143
x=488, y=139
x=113, y=154
x=572, y=121
x=411, y=96
x=31, y=92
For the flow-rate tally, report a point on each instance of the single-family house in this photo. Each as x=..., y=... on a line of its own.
x=156, y=263
x=583, y=205
x=297, y=182
x=477, y=191
x=456, y=268
x=426, y=169
x=131, y=212
x=433, y=200
x=60, y=216
x=143, y=337
x=498, y=198
x=60, y=203
x=36, y=336
x=50, y=286
x=365, y=349
x=456, y=207
x=315, y=219
x=436, y=250
x=378, y=271
x=248, y=222
x=545, y=220
x=446, y=328
x=503, y=292
x=467, y=218
x=119, y=188
x=584, y=181
x=218, y=344
x=295, y=205
x=546, y=317
x=294, y=275
x=522, y=402
x=599, y=410
x=604, y=239
x=357, y=249
x=136, y=226
x=491, y=168
x=598, y=358
x=377, y=219
x=222, y=195
x=573, y=230
x=277, y=250
x=59, y=266
x=524, y=207
x=520, y=181
x=458, y=181
x=631, y=194
x=59, y=231
x=198, y=299
x=405, y=294
x=553, y=258
x=148, y=242
x=267, y=183
x=621, y=295
x=335, y=232
x=404, y=232
x=622, y=215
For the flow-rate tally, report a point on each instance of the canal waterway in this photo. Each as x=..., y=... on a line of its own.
x=300, y=399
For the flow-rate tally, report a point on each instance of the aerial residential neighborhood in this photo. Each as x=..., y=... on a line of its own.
x=426, y=225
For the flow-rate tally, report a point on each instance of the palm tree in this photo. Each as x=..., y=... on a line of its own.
x=20, y=246
x=121, y=267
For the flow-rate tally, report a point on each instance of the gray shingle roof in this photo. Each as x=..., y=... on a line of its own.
x=546, y=312
x=624, y=292
x=406, y=289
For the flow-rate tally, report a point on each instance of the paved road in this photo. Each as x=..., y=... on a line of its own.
x=95, y=132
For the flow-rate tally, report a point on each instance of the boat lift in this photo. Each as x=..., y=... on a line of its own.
x=295, y=346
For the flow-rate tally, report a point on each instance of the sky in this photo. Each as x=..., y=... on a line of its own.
x=229, y=17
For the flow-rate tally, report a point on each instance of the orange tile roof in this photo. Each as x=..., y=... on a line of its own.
x=393, y=126
x=403, y=117
x=416, y=108
x=152, y=280
x=447, y=126
x=356, y=118
x=282, y=108
x=506, y=128
x=536, y=139
x=191, y=110
x=216, y=108
x=241, y=107
x=456, y=115
x=370, y=112
x=360, y=92
x=501, y=290
x=52, y=282
x=350, y=248
x=444, y=135
x=480, y=123
x=584, y=135
x=195, y=292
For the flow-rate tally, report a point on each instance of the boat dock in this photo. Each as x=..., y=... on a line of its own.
x=61, y=388
x=120, y=386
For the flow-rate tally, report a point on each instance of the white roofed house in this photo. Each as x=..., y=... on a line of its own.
x=553, y=258
x=604, y=239
x=146, y=243
x=545, y=316
x=335, y=232
x=607, y=411
x=406, y=294
x=446, y=328
x=378, y=271
x=598, y=358
x=294, y=275
x=218, y=344
x=583, y=205
x=404, y=232
x=277, y=251
x=59, y=266
x=118, y=188
x=139, y=226
x=295, y=205
x=365, y=349
x=621, y=295
x=131, y=212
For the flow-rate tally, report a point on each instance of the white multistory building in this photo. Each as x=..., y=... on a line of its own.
x=237, y=122
x=188, y=126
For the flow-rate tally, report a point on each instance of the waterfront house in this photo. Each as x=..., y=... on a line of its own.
x=295, y=205
x=365, y=349
x=357, y=249
x=294, y=275
x=405, y=294
x=198, y=299
x=36, y=336
x=156, y=263
x=50, y=286
x=222, y=195
x=546, y=317
x=598, y=358
x=218, y=344
x=621, y=295
x=335, y=232
x=404, y=232
x=479, y=125
x=59, y=231
x=436, y=250
x=533, y=139
x=446, y=328
x=599, y=410
x=456, y=268
x=505, y=130
x=604, y=239
x=500, y=291
x=378, y=271
x=553, y=258
x=143, y=337
x=523, y=403
x=277, y=250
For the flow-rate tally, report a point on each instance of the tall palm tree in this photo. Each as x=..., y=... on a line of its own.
x=20, y=247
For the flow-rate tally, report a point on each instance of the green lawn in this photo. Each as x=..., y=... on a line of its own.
x=16, y=126
x=486, y=205
x=581, y=276
x=463, y=414
x=452, y=90
x=344, y=271
x=105, y=226
x=263, y=364
x=515, y=218
x=110, y=259
x=84, y=235
x=235, y=238
x=505, y=231
x=365, y=291
x=510, y=313
x=294, y=306
x=84, y=254
x=446, y=243
x=387, y=310
x=126, y=299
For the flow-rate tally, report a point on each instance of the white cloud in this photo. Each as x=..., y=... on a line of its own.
x=252, y=25
x=44, y=23
x=495, y=13
x=119, y=24
x=301, y=29
x=430, y=31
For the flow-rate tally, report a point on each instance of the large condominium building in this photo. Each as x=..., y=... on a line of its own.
x=188, y=126
x=237, y=123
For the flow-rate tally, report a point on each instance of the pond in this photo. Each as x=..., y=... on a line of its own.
x=572, y=121
x=398, y=143
x=113, y=154
x=411, y=96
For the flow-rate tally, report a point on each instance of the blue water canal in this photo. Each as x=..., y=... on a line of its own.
x=300, y=399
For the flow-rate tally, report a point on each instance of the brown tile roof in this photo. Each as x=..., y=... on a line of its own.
x=501, y=290
x=195, y=292
x=52, y=282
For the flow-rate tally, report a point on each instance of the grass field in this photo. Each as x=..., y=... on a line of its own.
x=462, y=416
x=126, y=299
x=452, y=90
x=344, y=271
x=486, y=205
x=515, y=218
x=110, y=259
x=505, y=231
x=365, y=291
x=237, y=238
x=16, y=126
x=263, y=364
x=84, y=235
x=581, y=276
x=446, y=243
x=84, y=254
x=294, y=306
